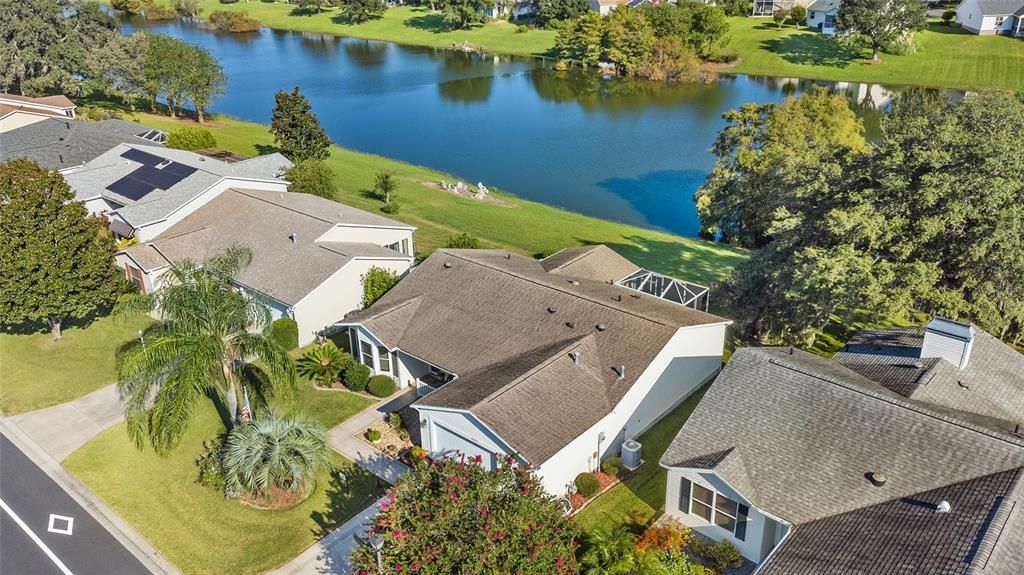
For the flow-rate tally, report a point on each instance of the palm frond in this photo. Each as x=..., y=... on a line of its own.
x=274, y=451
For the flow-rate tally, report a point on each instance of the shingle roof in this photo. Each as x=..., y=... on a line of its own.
x=1000, y=7
x=505, y=327
x=800, y=433
x=59, y=100
x=94, y=178
x=283, y=269
x=991, y=386
x=824, y=5
x=58, y=144
x=599, y=263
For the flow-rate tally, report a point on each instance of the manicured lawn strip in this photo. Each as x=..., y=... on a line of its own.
x=403, y=24
x=36, y=372
x=641, y=497
x=194, y=526
x=527, y=227
x=946, y=57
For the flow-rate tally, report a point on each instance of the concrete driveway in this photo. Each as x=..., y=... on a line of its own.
x=62, y=429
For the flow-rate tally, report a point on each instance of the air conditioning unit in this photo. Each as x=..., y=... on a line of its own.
x=631, y=454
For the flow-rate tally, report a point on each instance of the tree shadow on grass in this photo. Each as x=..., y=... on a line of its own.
x=264, y=149
x=700, y=262
x=812, y=49
x=350, y=490
x=434, y=22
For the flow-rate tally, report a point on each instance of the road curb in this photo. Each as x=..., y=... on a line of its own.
x=111, y=521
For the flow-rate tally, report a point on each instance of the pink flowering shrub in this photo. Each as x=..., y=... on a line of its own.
x=451, y=516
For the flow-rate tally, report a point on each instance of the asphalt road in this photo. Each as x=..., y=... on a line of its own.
x=36, y=536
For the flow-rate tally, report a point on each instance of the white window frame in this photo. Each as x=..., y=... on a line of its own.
x=714, y=509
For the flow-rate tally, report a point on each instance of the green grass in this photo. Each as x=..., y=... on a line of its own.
x=194, y=526
x=404, y=24
x=37, y=372
x=946, y=57
x=521, y=226
x=640, y=498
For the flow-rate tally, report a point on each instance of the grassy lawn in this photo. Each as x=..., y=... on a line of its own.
x=404, y=24
x=521, y=226
x=194, y=526
x=37, y=372
x=640, y=498
x=946, y=57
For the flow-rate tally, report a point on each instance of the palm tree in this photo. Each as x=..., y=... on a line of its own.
x=273, y=451
x=207, y=339
x=614, y=552
x=323, y=363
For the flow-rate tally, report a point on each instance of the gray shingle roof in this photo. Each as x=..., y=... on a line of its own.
x=991, y=386
x=800, y=433
x=94, y=177
x=824, y=6
x=1000, y=7
x=58, y=144
x=505, y=326
x=285, y=270
x=599, y=263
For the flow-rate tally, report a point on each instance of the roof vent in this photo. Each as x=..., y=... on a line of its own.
x=618, y=297
x=949, y=340
x=876, y=478
x=575, y=356
x=601, y=327
x=570, y=325
x=552, y=309
x=447, y=264
x=943, y=507
x=293, y=237
x=508, y=256
x=574, y=283
x=919, y=364
x=620, y=371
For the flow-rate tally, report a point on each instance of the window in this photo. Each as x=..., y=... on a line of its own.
x=830, y=21
x=395, y=246
x=405, y=247
x=702, y=502
x=135, y=276
x=999, y=21
x=725, y=513
x=366, y=353
x=713, y=507
x=384, y=359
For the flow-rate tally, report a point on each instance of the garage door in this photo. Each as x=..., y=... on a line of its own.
x=449, y=442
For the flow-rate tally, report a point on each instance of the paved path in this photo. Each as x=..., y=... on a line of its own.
x=331, y=554
x=62, y=429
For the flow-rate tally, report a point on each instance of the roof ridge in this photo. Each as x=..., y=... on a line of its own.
x=1001, y=516
x=541, y=365
x=249, y=194
x=553, y=287
x=583, y=253
x=907, y=405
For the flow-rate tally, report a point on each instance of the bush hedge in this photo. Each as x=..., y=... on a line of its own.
x=285, y=332
x=587, y=484
x=612, y=465
x=357, y=376
x=191, y=138
x=724, y=555
x=381, y=385
x=373, y=435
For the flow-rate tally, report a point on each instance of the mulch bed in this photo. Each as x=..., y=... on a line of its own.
x=391, y=441
x=606, y=482
x=278, y=500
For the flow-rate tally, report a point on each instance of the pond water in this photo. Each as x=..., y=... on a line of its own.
x=629, y=151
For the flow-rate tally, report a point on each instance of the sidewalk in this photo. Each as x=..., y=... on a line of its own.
x=62, y=429
x=331, y=554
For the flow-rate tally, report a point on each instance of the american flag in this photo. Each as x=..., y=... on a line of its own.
x=246, y=413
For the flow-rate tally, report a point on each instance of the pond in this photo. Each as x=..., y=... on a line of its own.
x=623, y=150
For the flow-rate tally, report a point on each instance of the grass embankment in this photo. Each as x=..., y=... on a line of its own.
x=946, y=57
x=193, y=526
x=403, y=24
x=514, y=224
x=37, y=372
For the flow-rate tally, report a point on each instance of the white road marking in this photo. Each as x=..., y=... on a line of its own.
x=53, y=557
x=69, y=523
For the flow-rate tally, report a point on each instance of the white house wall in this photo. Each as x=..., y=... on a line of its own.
x=380, y=236
x=691, y=358
x=338, y=295
x=18, y=119
x=968, y=16
x=465, y=424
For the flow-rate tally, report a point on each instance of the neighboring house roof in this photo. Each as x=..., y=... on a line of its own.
x=58, y=144
x=599, y=263
x=797, y=434
x=58, y=101
x=141, y=204
x=824, y=6
x=281, y=268
x=1001, y=7
x=990, y=386
x=505, y=326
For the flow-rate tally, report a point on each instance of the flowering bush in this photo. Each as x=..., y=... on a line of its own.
x=452, y=516
x=671, y=537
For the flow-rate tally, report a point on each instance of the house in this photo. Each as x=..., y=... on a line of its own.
x=144, y=190
x=821, y=15
x=308, y=253
x=17, y=111
x=66, y=144
x=604, y=7
x=904, y=455
x=554, y=363
x=987, y=17
x=516, y=8
x=769, y=7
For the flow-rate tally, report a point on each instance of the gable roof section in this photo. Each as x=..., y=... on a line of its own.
x=991, y=386
x=57, y=101
x=505, y=327
x=58, y=144
x=598, y=263
x=282, y=269
x=1000, y=7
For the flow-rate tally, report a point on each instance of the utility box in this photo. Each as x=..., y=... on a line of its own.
x=631, y=454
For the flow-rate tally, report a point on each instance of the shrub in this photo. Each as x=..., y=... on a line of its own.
x=699, y=546
x=390, y=208
x=395, y=420
x=228, y=1
x=417, y=453
x=612, y=465
x=312, y=177
x=275, y=451
x=285, y=331
x=948, y=17
x=187, y=8
x=233, y=21
x=798, y=14
x=587, y=484
x=381, y=386
x=376, y=282
x=157, y=13
x=373, y=435
x=780, y=17
x=522, y=29
x=211, y=470
x=724, y=555
x=357, y=376
x=672, y=538
x=727, y=58
x=95, y=114
x=191, y=138
x=463, y=241
x=324, y=363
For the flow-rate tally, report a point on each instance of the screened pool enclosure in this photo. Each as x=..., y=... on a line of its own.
x=668, y=288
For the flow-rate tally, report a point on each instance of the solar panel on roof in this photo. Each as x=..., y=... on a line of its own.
x=180, y=169
x=141, y=157
x=131, y=188
x=159, y=178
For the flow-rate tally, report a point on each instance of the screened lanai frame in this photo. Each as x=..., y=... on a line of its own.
x=668, y=288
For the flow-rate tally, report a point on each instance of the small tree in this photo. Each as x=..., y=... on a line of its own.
x=191, y=138
x=359, y=11
x=880, y=22
x=461, y=13
x=312, y=177
x=455, y=516
x=285, y=332
x=384, y=185
x=799, y=14
x=948, y=16
x=376, y=282
x=57, y=261
x=780, y=17
x=130, y=6
x=274, y=451
x=462, y=241
x=187, y=8
x=310, y=5
x=203, y=79
x=296, y=128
